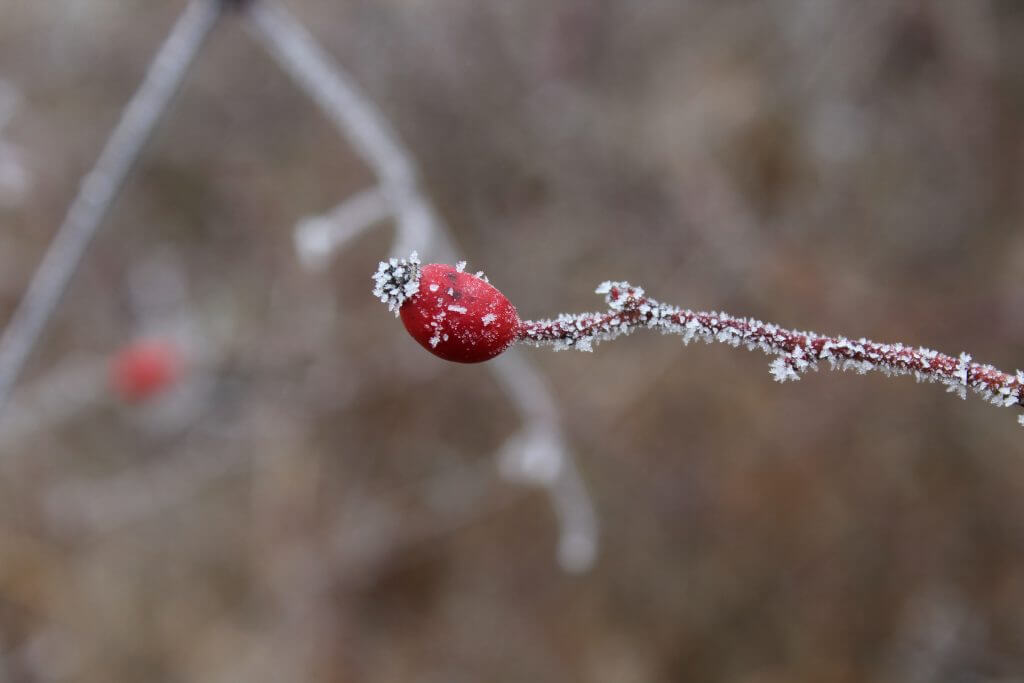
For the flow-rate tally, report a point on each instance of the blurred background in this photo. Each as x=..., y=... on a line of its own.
x=312, y=497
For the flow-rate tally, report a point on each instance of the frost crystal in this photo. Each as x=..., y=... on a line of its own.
x=782, y=371
x=396, y=280
x=488, y=319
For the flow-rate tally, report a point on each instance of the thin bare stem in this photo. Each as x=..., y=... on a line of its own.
x=100, y=187
x=355, y=116
x=630, y=309
x=540, y=446
x=317, y=237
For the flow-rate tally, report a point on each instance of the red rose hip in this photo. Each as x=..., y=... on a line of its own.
x=453, y=314
x=144, y=368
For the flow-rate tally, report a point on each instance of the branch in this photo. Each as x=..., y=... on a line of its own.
x=317, y=237
x=796, y=352
x=540, y=445
x=355, y=116
x=15, y=179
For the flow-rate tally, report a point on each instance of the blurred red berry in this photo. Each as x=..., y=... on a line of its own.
x=459, y=316
x=144, y=369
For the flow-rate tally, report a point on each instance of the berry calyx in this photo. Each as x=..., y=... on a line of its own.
x=144, y=368
x=453, y=314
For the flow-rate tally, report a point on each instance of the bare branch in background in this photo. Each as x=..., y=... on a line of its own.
x=318, y=237
x=100, y=187
x=538, y=453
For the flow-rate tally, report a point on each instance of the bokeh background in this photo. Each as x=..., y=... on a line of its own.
x=317, y=499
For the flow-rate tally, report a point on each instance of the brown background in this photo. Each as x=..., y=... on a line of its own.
x=332, y=513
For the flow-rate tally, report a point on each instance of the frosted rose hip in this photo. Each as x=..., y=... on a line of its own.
x=458, y=316
x=453, y=314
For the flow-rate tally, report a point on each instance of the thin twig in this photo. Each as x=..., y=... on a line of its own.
x=355, y=115
x=317, y=237
x=420, y=228
x=100, y=187
x=538, y=455
x=796, y=352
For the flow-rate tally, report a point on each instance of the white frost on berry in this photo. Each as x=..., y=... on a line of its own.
x=397, y=280
x=460, y=266
x=488, y=319
x=456, y=309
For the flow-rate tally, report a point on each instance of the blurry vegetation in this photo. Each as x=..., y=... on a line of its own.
x=332, y=513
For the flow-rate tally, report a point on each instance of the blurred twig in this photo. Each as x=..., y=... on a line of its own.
x=316, y=238
x=538, y=453
x=100, y=187
x=357, y=119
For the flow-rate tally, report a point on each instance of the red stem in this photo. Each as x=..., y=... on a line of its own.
x=796, y=351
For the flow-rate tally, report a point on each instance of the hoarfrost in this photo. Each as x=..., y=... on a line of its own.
x=795, y=352
x=397, y=280
x=488, y=319
x=782, y=371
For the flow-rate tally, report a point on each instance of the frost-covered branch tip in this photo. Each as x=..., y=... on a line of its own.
x=795, y=352
x=461, y=317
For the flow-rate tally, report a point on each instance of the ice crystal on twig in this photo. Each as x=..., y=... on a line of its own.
x=396, y=280
x=795, y=352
